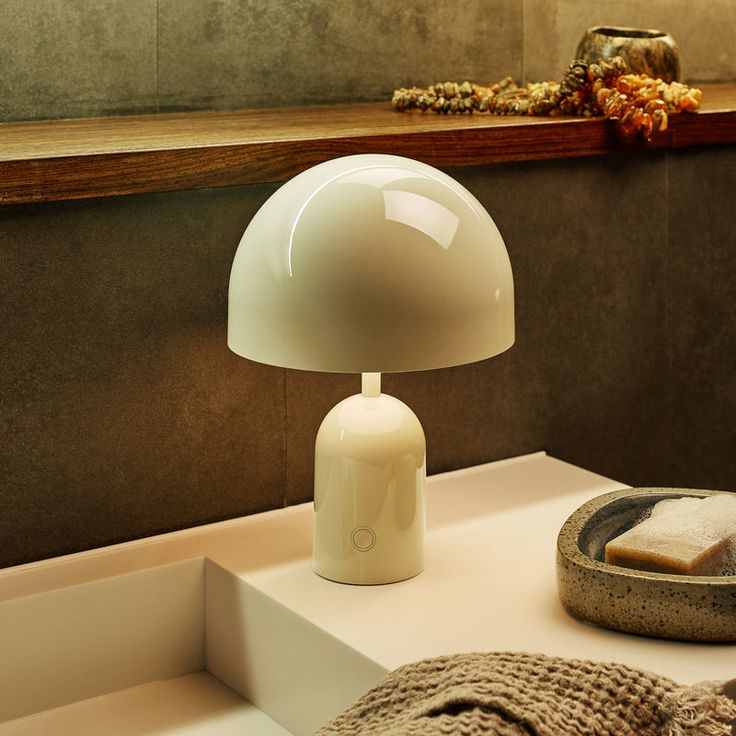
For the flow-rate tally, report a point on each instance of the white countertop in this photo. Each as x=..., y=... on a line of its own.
x=238, y=600
x=489, y=584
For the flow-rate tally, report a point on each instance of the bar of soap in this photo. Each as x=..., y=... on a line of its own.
x=687, y=536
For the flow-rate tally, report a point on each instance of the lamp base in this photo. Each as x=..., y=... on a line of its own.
x=369, y=481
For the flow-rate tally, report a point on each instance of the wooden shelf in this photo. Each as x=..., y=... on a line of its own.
x=75, y=159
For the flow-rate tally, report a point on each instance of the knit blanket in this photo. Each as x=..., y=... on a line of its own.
x=517, y=694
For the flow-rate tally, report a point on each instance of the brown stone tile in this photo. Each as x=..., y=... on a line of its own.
x=703, y=31
x=229, y=53
x=587, y=377
x=76, y=58
x=702, y=319
x=124, y=412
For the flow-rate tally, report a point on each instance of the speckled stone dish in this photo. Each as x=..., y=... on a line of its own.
x=645, y=51
x=688, y=607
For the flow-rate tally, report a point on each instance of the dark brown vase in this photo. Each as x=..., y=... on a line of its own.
x=649, y=52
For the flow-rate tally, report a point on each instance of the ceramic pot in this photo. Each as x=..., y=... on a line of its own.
x=649, y=52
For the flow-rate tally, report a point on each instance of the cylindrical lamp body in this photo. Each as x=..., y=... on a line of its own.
x=369, y=482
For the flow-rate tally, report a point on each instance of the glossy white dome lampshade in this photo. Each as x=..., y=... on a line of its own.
x=370, y=264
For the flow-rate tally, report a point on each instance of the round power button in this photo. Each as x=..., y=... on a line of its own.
x=363, y=538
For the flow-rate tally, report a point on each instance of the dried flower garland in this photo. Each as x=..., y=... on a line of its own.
x=605, y=88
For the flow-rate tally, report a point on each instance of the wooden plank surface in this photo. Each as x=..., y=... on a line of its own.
x=72, y=159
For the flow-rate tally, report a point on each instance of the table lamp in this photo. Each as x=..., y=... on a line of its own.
x=370, y=264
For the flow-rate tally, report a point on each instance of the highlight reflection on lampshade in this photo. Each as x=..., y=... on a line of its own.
x=371, y=263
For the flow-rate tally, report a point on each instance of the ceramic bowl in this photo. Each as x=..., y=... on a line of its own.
x=645, y=51
x=687, y=607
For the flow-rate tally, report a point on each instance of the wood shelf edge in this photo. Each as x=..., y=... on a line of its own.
x=278, y=150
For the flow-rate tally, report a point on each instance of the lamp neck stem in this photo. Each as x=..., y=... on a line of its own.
x=371, y=384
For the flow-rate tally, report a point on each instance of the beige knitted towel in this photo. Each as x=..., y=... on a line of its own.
x=514, y=694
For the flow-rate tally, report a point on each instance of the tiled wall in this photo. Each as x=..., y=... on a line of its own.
x=122, y=412
x=63, y=58
x=68, y=58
